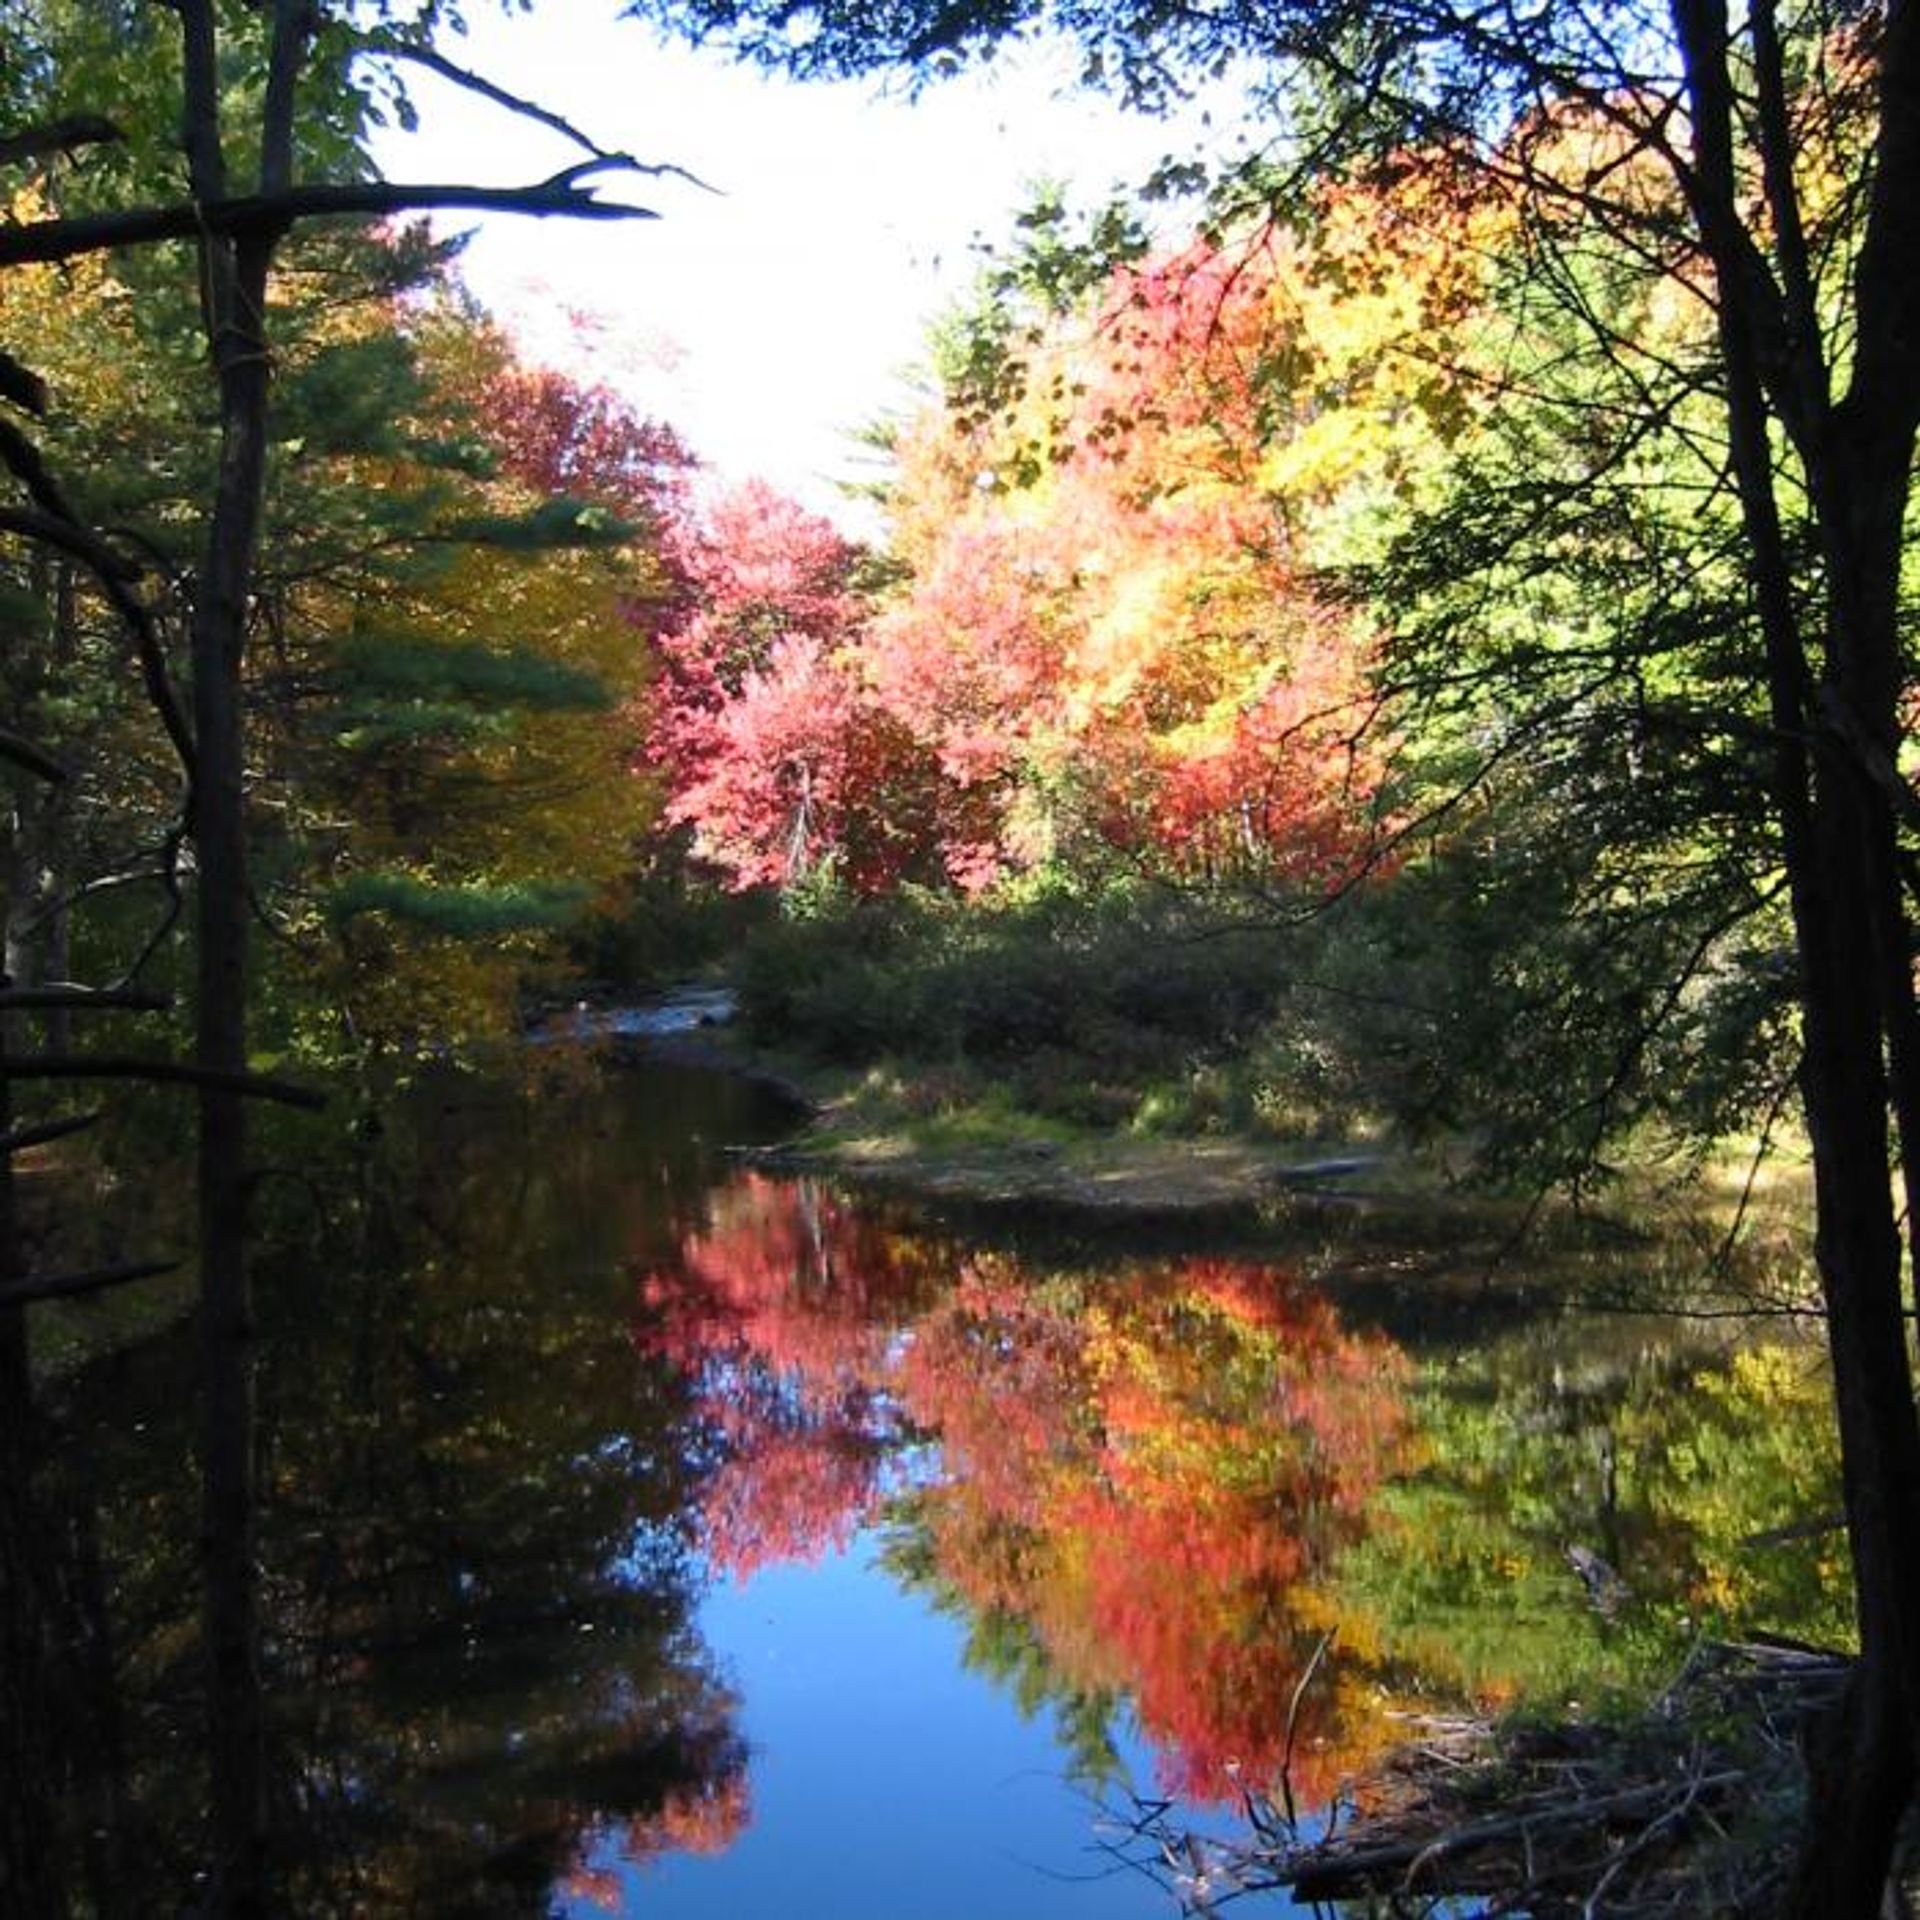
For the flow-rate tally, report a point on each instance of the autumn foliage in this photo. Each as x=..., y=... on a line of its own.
x=1104, y=635
x=1145, y=1468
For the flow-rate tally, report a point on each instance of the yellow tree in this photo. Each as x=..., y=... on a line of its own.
x=458, y=777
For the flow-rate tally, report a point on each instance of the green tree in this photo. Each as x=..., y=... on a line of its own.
x=458, y=651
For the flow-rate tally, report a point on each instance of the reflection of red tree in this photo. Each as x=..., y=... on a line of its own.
x=704, y=1819
x=789, y=1496
x=1186, y=1608
x=1144, y=1467
x=1146, y=1476
x=782, y=1309
x=790, y=1275
x=1000, y=1375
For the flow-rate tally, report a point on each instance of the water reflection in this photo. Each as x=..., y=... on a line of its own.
x=560, y=1410
x=481, y=1655
x=1584, y=1508
x=1141, y=1471
x=1160, y=1494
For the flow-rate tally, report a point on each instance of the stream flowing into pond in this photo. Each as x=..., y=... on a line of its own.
x=648, y=1534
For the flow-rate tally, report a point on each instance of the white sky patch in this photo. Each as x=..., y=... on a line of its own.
x=770, y=320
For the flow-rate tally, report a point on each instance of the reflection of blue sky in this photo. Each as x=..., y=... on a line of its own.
x=886, y=1781
x=772, y=320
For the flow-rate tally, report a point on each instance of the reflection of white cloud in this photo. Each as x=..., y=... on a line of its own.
x=772, y=318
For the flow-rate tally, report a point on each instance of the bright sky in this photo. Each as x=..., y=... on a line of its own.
x=770, y=320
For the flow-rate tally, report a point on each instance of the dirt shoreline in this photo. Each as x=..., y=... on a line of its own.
x=1099, y=1175
x=1111, y=1174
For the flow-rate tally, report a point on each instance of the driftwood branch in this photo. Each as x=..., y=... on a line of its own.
x=64, y=1286
x=80, y=1066
x=1341, y=1875
x=1687, y=1808
x=271, y=213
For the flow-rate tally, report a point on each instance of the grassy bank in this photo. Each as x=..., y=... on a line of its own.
x=1134, y=1047
x=1055, y=1012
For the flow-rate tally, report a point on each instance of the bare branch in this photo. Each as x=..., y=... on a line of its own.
x=199, y=100
x=35, y=759
x=269, y=213
x=71, y=538
x=389, y=47
x=67, y=135
x=80, y=1066
x=72, y=998
x=293, y=22
x=19, y=1139
x=62, y=526
x=476, y=83
x=168, y=875
x=22, y=385
x=63, y=1286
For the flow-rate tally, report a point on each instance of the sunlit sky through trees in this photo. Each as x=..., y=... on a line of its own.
x=771, y=318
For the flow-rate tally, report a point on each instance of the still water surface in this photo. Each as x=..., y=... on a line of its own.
x=649, y=1535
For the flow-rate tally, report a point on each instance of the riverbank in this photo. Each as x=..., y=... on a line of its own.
x=942, y=1134
x=1107, y=1173
x=951, y=1137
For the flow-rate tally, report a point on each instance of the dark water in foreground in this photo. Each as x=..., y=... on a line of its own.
x=646, y=1535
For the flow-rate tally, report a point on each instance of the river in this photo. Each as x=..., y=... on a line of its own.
x=647, y=1534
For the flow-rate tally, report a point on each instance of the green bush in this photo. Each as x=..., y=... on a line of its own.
x=1043, y=983
x=664, y=929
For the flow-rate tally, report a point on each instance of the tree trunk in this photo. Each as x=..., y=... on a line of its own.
x=234, y=292
x=226, y=1297
x=25, y=1815
x=1861, y=1764
x=1862, y=1072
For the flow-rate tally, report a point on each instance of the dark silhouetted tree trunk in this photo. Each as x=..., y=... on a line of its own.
x=233, y=278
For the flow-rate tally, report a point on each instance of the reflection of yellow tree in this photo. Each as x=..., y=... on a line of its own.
x=1141, y=1469
x=1749, y=1487
x=1698, y=1486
